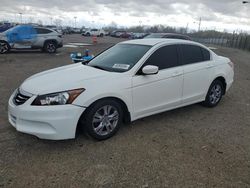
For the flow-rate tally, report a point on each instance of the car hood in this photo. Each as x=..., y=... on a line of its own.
x=61, y=79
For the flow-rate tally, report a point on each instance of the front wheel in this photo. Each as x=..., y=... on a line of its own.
x=50, y=47
x=214, y=94
x=103, y=119
x=4, y=47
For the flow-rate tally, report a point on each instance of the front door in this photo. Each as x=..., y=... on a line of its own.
x=162, y=91
x=23, y=36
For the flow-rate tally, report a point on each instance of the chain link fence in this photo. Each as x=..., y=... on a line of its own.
x=240, y=41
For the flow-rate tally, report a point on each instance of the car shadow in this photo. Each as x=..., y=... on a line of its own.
x=82, y=139
x=24, y=51
x=28, y=51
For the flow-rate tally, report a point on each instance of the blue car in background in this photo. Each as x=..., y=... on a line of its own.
x=30, y=37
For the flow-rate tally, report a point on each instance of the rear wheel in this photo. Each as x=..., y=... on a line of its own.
x=50, y=47
x=4, y=47
x=101, y=35
x=103, y=119
x=214, y=94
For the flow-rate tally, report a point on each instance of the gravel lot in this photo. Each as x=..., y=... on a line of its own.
x=188, y=147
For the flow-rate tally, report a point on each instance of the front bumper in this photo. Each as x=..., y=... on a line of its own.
x=46, y=122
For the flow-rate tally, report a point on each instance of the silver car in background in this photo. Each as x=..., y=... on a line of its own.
x=30, y=37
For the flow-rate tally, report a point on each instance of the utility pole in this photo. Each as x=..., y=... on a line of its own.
x=75, y=21
x=20, y=17
x=15, y=19
x=187, y=28
x=140, y=22
x=51, y=20
x=199, y=25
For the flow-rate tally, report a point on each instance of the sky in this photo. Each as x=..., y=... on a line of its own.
x=230, y=15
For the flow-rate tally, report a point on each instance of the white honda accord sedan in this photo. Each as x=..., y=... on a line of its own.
x=128, y=81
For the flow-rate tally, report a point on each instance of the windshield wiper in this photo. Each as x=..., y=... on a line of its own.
x=98, y=67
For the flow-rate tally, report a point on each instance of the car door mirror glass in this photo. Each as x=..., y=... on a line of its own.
x=150, y=69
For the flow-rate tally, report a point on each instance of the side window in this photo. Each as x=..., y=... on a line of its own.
x=191, y=54
x=206, y=54
x=165, y=57
x=42, y=31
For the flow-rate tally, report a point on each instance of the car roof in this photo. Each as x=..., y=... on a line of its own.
x=155, y=41
x=168, y=35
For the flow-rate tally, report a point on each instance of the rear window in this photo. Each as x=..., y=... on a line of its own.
x=42, y=31
x=206, y=54
x=191, y=54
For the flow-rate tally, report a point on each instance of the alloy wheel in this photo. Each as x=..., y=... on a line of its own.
x=215, y=94
x=105, y=120
x=4, y=47
x=51, y=47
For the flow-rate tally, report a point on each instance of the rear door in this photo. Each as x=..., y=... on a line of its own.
x=162, y=91
x=42, y=35
x=197, y=67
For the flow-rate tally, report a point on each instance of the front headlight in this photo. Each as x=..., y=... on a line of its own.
x=60, y=98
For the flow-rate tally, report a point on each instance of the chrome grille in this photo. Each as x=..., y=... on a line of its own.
x=20, y=98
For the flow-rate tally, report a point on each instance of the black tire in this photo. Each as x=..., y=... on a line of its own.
x=91, y=127
x=88, y=34
x=50, y=47
x=214, y=94
x=4, y=47
x=101, y=35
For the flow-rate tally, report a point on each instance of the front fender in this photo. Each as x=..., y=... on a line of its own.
x=87, y=100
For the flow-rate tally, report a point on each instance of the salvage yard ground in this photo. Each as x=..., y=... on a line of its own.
x=188, y=147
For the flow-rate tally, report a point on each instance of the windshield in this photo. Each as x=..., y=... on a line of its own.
x=9, y=30
x=119, y=58
x=17, y=28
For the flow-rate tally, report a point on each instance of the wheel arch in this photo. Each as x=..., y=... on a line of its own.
x=224, y=82
x=50, y=40
x=6, y=43
x=124, y=106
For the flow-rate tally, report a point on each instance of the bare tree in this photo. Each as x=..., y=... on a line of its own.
x=39, y=22
x=58, y=22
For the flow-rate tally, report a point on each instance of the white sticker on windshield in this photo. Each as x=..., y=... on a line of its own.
x=121, y=66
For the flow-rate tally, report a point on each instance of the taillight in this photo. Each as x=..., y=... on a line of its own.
x=231, y=64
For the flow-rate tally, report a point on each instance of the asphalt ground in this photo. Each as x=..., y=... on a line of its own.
x=192, y=146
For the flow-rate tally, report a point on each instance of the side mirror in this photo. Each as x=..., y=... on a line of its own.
x=150, y=69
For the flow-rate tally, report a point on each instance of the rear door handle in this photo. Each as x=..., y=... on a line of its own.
x=176, y=74
x=209, y=66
